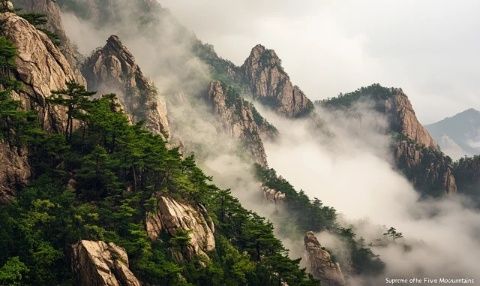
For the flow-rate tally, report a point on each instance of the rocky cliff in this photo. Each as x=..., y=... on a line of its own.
x=321, y=264
x=101, y=264
x=240, y=119
x=415, y=152
x=428, y=169
x=403, y=119
x=40, y=68
x=113, y=69
x=270, y=84
x=177, y=218
x=54, y=24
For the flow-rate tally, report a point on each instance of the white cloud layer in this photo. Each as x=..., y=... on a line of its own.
x=429, y=48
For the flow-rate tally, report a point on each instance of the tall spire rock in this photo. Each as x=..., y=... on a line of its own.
x=113, y=69
x=241, y=120
x=270, y=84
x=54, y=24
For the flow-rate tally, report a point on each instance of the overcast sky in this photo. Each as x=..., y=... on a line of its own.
x=430, y=48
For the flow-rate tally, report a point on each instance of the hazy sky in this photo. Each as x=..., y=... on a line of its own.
x=429, y=47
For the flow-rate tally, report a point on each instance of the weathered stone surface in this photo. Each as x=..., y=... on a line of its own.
x=403, y=119
x=113, y=69
x=96, y=263
x=14, y=171
x=40, y=67
x=320, y=263
x=54, y=24
x=240, y=119
x=173, y=217
x=270, y=84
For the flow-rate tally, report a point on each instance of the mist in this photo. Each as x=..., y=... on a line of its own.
x=350, y=168
x=347, y=166
x=163, y=50
x=429, y=48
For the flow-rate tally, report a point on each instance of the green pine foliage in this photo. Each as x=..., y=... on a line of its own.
x=96, y=180
x=373, y=92
x=311, y=215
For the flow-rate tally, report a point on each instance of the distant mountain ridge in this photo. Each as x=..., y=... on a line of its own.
x=458, y=135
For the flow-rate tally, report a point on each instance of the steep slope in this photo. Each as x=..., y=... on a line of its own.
x=321, y=264
x=40, y=68
x=458, y=135
x=415, y=152
x=241, y=120
x=54, y=24
x=113, y=69
x=271, y=85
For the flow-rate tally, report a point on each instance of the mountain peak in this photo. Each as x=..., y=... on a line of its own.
x=270, y=84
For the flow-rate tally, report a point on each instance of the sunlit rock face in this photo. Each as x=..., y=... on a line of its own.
x=113, y=69
x=14, y=171
x=177, y=218
x=41, y=68
x=101, y=264
x=320, y=263
x=271, y=85
x=54, y=24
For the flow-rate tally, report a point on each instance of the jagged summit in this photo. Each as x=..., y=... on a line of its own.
x=269, y=83
x=392, y=102
x=113, y=69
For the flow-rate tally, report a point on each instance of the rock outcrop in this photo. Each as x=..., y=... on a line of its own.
x=272, y=195
x=241, y=120
x=96, y=263
x=40, y=68
x=176, y=218
x=428, y=169
x=54, y=24
x=271, y=85
x=320, y=263
x=113, y=69
x=403, y=119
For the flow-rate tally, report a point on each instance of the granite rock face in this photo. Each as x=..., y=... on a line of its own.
x=403, y=119
x=320, y=263
x=97, y=263
x=54, y=24
x=241, y=120
x=14, y=171
x=40, y=68
x=113, y=69
x=175, y=218
x=271, y=85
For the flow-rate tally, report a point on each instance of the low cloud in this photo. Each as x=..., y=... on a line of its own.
x=349, y=167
